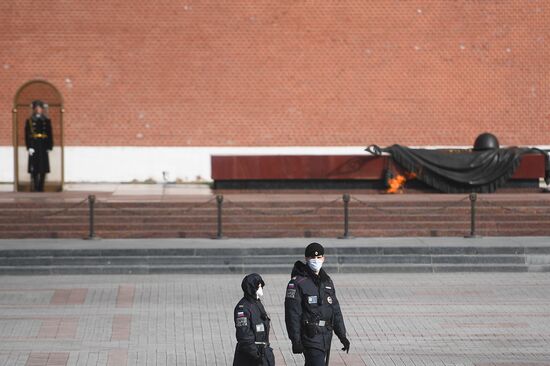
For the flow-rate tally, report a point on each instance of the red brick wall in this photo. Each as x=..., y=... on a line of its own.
x=270, y=73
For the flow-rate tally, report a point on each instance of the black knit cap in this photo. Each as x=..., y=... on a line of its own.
x=314, y=249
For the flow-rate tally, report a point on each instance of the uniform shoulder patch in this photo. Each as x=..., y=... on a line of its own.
x=291, y=293
x=241, y=322
x=240, y=319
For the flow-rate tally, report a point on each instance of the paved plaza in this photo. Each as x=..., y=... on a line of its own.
x=392, y=319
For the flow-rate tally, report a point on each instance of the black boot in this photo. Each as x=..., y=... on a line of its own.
x=41, y=181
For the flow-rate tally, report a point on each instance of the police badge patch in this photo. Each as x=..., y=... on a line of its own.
x=291, y=293
x=312, y=299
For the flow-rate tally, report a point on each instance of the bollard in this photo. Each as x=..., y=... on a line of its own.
x=91, y=203
x=473, y=199
x=219, y=201
x=346, y=198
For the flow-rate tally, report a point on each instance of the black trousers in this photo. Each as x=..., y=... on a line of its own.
x=38, y=180
x=314, y=357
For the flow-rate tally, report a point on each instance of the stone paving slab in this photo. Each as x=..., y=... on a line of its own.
x=467, y=319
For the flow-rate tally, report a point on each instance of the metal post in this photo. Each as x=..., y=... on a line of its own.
x=219, y=201
x=473, y=199
x=91, y=204
x=346, y=198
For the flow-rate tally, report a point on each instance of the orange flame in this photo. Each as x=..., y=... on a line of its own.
x=397, y=184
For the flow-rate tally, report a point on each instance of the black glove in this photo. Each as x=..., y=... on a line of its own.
x=345, y=343
x=297, y=348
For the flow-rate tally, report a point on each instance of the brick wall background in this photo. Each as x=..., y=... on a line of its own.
x=283, y=73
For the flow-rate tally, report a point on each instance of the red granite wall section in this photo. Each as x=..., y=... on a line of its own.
x=279, y=73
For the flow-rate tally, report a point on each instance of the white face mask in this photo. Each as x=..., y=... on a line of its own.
x=259, y=292
x=315, y=264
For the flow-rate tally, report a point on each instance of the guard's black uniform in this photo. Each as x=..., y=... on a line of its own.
x=312, y=312
x=252, y=324
x=38, y=136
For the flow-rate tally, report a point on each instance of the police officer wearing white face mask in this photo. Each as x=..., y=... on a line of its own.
x=252, y=326
x=312, y=311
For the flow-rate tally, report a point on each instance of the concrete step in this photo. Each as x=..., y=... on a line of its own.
x=219, y=249
x=256, y=260
x=274, y=260
x=235, y=225
x=236, y=219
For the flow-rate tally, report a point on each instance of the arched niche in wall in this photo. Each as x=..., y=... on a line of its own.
x=50, y=95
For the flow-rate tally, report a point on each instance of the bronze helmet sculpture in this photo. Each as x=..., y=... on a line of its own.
x=486, y=141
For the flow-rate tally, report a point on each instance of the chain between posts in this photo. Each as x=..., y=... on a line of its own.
x=58, y=212
x=220, y=200
x=377, y=208
x=137, y=211
x=92, y=201
x=293, y=213
x=66, y=209
x=515, y=210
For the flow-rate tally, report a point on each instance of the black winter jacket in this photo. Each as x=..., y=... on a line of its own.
x=312, y=311
x=252, y=327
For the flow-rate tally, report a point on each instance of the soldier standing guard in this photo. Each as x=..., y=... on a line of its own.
x=252, y=326
x=312, y=311
x=38, y=139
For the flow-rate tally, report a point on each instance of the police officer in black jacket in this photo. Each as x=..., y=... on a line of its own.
x=252, y=324
x=312, y=311
x=38, y=139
